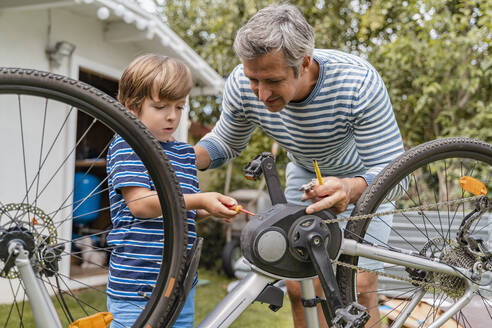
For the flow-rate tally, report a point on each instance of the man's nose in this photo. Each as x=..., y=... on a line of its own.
x=263, y=93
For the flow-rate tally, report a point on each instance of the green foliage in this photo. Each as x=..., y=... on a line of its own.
x=434, y=56
x=435, y=59
x=212, y=232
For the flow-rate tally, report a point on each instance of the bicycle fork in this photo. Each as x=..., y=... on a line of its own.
x=42, y=307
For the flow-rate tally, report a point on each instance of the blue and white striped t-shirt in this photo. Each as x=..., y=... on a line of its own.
x=347, y=122
x=137, y=243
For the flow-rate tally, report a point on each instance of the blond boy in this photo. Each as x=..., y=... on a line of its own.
x=154, y=88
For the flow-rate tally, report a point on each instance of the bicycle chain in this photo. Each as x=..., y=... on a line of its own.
x=370, y=216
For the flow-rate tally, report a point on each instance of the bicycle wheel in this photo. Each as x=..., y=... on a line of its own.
x=47, y=120
x=428, y=174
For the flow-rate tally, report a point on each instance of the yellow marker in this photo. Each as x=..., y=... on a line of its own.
x=318, y=173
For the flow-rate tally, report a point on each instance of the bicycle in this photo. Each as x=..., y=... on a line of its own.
x=452, y=266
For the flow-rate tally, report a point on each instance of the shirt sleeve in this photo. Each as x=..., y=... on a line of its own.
x=231, y=134
x=125, y=168
x=377, y=136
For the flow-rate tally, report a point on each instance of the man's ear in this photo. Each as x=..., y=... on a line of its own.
x=305, y=64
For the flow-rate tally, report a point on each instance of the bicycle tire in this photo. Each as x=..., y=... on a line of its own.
x=55, y=89
x=423, y=158
x=230, y=255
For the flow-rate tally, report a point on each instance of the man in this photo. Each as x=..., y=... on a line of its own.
x=317, y=104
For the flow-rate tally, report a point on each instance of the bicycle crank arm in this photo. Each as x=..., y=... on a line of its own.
x=313, y=235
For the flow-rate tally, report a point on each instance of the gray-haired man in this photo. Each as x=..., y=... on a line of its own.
x=317, y=104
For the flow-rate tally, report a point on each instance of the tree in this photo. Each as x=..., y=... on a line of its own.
x=434, y=56
x=435, y=59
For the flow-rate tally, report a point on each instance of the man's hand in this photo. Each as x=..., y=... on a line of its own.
x=334, y=193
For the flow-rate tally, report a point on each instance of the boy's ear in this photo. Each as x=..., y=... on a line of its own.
x=130, y=107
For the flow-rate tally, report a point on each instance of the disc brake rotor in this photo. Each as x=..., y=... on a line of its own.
x=30, y=225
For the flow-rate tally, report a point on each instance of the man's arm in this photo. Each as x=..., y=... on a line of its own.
x=231, y=134
x=202, y=158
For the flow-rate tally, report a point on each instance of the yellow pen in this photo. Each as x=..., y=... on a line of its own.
x=318, y=173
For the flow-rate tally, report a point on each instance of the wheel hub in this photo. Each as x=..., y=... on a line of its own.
x=34, y=229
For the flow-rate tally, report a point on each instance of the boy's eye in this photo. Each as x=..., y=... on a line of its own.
x=180, y=107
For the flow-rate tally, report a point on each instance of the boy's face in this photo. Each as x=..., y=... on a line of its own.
x=162, y=117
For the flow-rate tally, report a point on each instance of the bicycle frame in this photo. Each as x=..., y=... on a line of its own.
x=252, y=285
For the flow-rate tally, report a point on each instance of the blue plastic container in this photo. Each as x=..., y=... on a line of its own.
x=86, y=210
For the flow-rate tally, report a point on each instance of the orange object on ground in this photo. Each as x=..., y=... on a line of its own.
x=98, y=320
x=473, y=185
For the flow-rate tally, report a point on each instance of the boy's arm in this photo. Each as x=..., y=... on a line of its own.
x=144, y=203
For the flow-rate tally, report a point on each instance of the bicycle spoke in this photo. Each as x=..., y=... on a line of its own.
x=23, y=148
x=41, y=151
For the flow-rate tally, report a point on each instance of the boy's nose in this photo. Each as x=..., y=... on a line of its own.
x=172, y=115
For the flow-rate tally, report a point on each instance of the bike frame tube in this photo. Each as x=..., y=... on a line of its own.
x=407, y=310
x=352, y=247
x=42, y=307
x=231, y=306
x=310, y=313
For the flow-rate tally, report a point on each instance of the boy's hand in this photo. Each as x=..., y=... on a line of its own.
x=219, y=205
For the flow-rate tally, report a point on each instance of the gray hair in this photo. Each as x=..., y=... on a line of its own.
x=276, y=28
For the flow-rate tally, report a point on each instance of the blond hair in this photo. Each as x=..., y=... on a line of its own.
x=156, y=77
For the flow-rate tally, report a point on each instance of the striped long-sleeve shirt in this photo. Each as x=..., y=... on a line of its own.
x=347, y=122
x=137, y=243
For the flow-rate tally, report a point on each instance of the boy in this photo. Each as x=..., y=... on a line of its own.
x=154, y=88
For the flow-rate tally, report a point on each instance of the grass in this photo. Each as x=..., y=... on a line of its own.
x=257, y=315
x=207, y=297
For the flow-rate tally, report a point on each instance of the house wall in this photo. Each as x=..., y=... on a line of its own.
x=23, y=45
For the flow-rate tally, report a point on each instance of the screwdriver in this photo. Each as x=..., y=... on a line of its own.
x=239, y=208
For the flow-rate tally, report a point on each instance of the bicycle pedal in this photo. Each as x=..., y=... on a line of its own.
x=352, y=316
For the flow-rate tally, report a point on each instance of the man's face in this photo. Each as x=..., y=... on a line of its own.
x=272, y=81
x=162, y=117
